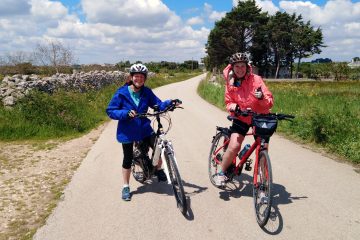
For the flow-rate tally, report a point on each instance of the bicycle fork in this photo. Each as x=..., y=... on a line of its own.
x=167, y=149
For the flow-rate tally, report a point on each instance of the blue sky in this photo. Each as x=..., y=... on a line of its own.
x=109, y=31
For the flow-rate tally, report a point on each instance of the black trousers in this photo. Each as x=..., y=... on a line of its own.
x=128, y=150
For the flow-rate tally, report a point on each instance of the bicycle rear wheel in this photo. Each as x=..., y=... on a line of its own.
x=176, y=183
x=217, y=151
x=262, y=189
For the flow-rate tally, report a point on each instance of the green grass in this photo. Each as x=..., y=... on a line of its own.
x=40, y=116
x=327, y=113
x=212, y=93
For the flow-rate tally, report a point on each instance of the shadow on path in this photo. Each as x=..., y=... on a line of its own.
x=164, y=188
x=242, y=187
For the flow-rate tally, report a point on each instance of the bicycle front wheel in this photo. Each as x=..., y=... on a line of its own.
x=217, y=150
x=262, y=189
x=176, y=183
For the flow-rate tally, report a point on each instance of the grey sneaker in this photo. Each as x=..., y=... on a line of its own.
x=220, y=179
x=126, y=195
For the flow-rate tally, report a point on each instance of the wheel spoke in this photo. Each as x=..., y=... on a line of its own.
x=216, y=154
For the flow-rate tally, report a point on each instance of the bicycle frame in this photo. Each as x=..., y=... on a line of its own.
x=257, y=146
x=162, y=146
x=263, y=126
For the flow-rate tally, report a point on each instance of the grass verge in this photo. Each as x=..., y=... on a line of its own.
x=64, y=114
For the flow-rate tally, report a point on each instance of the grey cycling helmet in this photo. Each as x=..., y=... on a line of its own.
x=138, y=68
x=239, y=57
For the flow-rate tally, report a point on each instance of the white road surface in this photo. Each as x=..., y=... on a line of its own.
x=315, y=197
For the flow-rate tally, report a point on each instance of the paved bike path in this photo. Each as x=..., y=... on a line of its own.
x=315, y=197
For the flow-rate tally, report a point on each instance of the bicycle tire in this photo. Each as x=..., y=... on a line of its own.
x=262, y=192
x=213, y=167
x=176, y=182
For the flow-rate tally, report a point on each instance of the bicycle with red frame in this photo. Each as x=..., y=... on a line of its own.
x=263, y=127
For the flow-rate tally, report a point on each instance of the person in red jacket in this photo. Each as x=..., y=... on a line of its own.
x=245, y=90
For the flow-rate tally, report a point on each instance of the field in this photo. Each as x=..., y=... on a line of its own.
x=63, y=114
x=327, y=113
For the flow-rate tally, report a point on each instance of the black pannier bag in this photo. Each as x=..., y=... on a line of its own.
x=264, y=125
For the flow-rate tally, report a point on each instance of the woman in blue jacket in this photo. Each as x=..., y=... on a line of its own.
x=130, y=99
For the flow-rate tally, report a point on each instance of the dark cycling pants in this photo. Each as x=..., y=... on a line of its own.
x=128, y=150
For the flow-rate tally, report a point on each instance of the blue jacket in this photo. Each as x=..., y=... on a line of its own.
x=136, y=129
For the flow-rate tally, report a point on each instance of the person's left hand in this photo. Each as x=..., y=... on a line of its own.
x=176, y=102
x=258, y=93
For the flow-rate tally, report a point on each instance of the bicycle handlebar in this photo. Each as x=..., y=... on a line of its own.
x=249, y=112
x=171, y=107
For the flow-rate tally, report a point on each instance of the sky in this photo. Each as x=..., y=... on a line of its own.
x=109, y=31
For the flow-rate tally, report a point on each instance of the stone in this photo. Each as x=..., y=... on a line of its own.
x=9, y=101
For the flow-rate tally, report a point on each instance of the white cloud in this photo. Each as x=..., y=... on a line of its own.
x=265, y=5
x=140, y=13
x=109, y=32
x=10, y=7
x=334, y=11
x=195, y=21
x=211, y=14
x=339, y=21
x=353, y=28
x=214, y=16
x=47, y=10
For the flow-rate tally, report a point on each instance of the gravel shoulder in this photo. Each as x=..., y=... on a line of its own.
x=32, y=179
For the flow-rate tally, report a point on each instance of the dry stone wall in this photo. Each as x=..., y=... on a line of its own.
x=15, y=87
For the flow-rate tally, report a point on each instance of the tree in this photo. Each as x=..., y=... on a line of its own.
x=54, y=54
x=341, y=71
x=18, y=58
x=191, y=64
x=281, y=27
x=235, y=32
x=307, y=42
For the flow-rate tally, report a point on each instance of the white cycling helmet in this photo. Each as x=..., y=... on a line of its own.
x=239, y=57
x=138, y=68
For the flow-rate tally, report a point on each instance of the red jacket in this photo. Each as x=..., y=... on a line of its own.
x=244, y=95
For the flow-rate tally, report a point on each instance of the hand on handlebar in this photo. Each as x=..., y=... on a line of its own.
x=237, y=111
x=131, y=113
x=176, y=102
